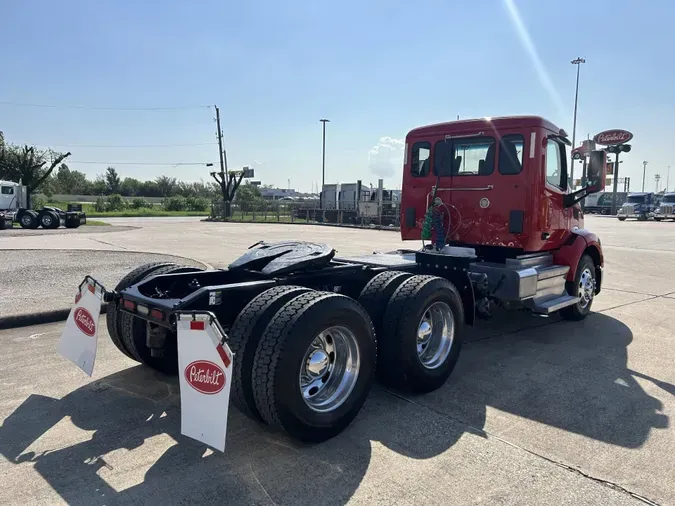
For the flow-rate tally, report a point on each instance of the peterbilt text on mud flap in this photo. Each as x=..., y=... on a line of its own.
x=304, y=332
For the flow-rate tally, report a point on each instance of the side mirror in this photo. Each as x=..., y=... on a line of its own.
x=596, y=171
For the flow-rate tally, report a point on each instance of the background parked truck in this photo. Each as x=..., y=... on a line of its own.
x=13, y=208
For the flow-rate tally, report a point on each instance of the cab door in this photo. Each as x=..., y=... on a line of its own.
x=556, y=216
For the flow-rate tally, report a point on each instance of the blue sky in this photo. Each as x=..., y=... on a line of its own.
x=376, y=69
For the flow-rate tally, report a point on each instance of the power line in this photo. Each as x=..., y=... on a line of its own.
x=69, y=162
x=66, y=106
x=128, y=145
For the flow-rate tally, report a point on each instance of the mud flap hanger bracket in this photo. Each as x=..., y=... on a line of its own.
x=106, y=296
x=205, y=315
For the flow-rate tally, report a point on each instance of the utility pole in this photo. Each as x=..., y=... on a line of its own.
x=228, y=182
x=657, y=178
x=578, y=63
x=644, y=173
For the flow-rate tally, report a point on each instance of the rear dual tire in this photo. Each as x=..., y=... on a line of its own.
x=420, y=340
x=129, y=333
x=244, y=337
x=49, y=220
x=314, y=366
x=400, y=304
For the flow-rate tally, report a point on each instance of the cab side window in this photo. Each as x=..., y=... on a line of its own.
x=419, y=161
x=555, y=166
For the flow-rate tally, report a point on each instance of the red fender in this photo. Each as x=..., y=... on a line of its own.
x=578, y=242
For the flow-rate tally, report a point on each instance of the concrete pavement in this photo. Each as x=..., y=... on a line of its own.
x=538, y=411
x=528, y=418
x=36, y=283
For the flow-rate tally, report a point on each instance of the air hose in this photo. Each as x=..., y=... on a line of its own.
x=432, y=229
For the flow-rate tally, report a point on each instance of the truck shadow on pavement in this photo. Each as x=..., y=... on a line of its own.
x=571, y=376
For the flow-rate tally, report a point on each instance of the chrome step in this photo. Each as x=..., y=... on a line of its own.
x=553, y=304
x=552, y=271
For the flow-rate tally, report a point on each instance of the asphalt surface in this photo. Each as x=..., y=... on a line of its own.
x=538, y=411
x=35, y=281
x=85, y=229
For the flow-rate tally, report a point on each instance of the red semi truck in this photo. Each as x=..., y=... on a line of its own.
x=302, y=333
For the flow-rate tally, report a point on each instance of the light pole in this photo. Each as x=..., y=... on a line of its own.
x=644, y=173
x=667, y=178
x=323, y=152
x=578, y=63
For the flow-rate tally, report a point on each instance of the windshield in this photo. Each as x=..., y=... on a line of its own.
x=668, y=199
x=635, y=199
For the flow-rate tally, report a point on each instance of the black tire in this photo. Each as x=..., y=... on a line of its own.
x=49, y=220
x=135, y=331
x=658, y=219
x=281, y=351
x=244, y=336
x=72, y=223
x=399, y=364
x=376, y=294
x=577, y=311
x=113, y=313
x=622, y=219
x=29, y=220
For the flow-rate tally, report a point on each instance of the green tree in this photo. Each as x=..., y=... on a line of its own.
x=71, y=182
x=248, y=194
x=130, y=186
x=99, y=186
x=28, y=165
x=166, y=185
x=149, y=189
x=112, y=180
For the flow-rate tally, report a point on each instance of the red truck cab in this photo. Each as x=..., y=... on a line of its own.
x=503, y=187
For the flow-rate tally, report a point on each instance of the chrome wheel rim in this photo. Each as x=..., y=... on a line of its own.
x=586, y=288
x=435, y=335
x=47, y=220
x=329, y=369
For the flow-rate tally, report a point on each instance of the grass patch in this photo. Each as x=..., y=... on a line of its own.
x=259, y=218
x=143, y=212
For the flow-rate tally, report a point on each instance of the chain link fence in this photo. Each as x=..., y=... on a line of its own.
x=306, y=212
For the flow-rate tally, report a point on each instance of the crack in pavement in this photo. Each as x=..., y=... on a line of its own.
x=487, y=435
x=108, y=243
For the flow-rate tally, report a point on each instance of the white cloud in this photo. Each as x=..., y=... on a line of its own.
x=385, y=159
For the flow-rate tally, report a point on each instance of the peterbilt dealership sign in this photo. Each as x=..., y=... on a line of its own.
x=613, y=137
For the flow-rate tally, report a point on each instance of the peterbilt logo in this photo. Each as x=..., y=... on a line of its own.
x=85, y=322
x=612, y=137
x=205, y=377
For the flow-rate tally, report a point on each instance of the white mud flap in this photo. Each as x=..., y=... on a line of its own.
x=205, y=374
x=78, y=340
